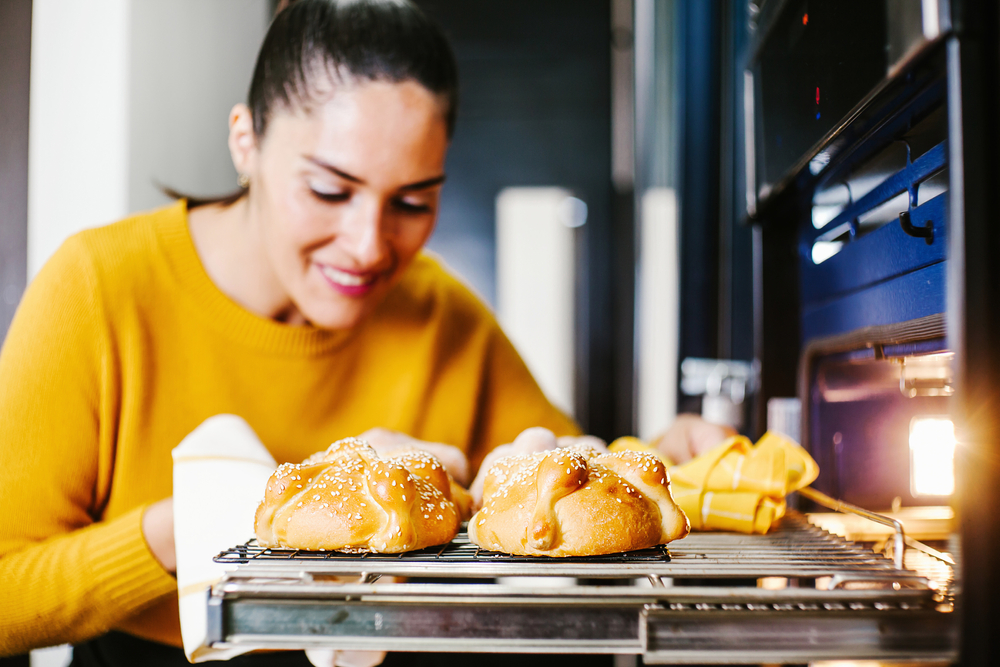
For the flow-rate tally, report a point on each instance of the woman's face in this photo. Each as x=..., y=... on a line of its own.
x=345, y=194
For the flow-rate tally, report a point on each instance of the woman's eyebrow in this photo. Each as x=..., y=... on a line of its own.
x=329, y=167
x=419, y=185
x=422, y=185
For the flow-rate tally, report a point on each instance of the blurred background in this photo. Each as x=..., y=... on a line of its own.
x=575, y=117
x=586, y=201
x=566, y=207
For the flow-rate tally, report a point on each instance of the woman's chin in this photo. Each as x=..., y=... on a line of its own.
x=336, y=319
x=327, y=308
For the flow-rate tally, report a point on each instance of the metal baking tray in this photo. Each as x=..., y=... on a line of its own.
x=701, y=601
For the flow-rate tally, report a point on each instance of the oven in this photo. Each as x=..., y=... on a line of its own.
x=871, y=146
x=871, y=168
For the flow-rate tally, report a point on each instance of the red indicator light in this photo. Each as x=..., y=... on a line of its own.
x=817, y=94
x=805, y=19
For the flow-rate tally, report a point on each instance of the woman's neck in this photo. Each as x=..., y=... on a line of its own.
x=228, y=242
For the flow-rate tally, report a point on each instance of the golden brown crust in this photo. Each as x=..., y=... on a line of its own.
x=576, y=501
x=348, y=498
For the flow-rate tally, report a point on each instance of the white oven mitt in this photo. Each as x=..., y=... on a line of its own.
x=223, y=465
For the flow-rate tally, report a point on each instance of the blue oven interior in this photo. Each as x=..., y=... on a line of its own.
x=865, y=215
x=872, y=258
x=873, y=248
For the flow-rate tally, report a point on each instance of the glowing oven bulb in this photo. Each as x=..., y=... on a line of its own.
x=932, y=456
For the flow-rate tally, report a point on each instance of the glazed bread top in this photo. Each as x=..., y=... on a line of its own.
x=349, y=498
x=576, y=501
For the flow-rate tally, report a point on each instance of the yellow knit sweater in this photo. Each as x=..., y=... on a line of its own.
x=122, y=345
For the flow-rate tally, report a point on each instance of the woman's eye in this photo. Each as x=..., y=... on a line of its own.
x=411, y=206
x=330, y=195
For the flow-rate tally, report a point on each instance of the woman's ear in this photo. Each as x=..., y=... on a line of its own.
x=242, y=140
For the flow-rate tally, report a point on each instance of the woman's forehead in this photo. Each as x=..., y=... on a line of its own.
x=370, y=124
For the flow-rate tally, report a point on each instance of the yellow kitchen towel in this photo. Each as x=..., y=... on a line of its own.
x=738, y=486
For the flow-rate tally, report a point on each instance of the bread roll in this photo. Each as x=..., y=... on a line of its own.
x=349, y=499
x=531, y=440
x=577, y=502
x=385, y=442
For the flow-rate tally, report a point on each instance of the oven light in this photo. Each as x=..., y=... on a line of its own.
x=932, y=456
x=824, y=250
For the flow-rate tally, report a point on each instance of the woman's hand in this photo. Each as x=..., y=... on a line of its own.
x=690, y=436
x=454, y=461
x=158, y=529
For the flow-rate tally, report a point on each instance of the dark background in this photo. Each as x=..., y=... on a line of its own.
x=15, y=55
x=535, y=110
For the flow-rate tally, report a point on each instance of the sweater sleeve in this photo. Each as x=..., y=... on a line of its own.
x=65, y=574
x=511, y=400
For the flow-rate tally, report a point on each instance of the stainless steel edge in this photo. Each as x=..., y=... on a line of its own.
x=749, y=143
x=496, y=645
x=462, y=594
x=782, y=638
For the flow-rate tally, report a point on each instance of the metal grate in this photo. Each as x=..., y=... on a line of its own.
x=860, y=606
x=459, y=550
x=794, y=548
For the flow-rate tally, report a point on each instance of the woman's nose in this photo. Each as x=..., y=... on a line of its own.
x=367, y=238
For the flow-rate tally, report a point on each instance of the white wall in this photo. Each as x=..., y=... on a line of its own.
x=657, y=312
x=78, y=120
x=126, y=94
x=535, y=283
x=191, y=61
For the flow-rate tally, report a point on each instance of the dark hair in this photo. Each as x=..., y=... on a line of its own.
x=311, y=42
x=377, y=40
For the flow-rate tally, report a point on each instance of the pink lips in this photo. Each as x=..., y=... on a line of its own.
x=358, y=290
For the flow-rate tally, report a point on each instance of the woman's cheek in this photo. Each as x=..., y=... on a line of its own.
x=413, y=237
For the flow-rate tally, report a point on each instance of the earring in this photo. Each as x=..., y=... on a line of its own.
x=243, y=181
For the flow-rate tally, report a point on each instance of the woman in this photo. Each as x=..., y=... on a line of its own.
x=302, y=304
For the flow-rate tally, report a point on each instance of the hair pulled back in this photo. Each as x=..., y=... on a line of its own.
x=311, y=42
x=313, y=45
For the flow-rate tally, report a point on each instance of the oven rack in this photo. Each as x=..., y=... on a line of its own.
x=793, y=548
x=834, y=599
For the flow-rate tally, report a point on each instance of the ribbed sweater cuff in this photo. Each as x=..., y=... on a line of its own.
x=129, y=575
